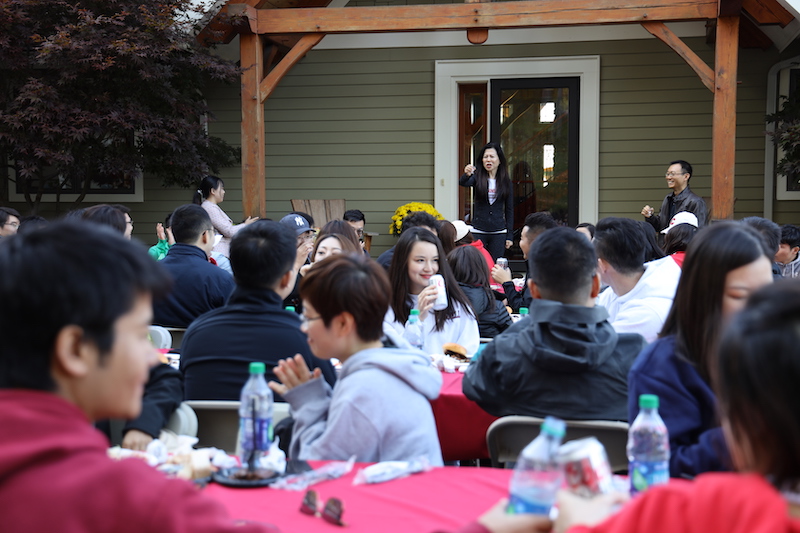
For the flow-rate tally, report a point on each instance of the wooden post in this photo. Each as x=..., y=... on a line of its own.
x=723, y=133
x=253, y=157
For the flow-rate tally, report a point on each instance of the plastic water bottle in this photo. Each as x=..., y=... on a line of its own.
x=538, y=474
x=255, y=417
x=523, y=312
x=413, y=331
x=648, y=447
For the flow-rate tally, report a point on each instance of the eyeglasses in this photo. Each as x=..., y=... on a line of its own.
x=331, y=511
x=12, y=224
x=306, y=319
x=674, y=174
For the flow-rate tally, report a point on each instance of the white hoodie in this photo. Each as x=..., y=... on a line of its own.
x=644, y=309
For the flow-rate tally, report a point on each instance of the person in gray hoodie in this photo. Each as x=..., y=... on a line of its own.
x=565, y=359
x=379, y=409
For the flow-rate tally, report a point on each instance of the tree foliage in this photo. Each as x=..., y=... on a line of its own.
x=95, y=93
x=787, y=136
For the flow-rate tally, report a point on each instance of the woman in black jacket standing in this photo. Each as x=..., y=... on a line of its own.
x=493, y=206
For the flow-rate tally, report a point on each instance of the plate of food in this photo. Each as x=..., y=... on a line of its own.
x=454, y=358
x=241, y=477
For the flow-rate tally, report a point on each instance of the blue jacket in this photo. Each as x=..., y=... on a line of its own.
x=198, y=287
x=253, y=326
x=686, y=403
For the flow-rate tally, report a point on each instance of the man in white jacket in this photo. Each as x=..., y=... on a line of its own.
x=379, y=409
x=640, y=294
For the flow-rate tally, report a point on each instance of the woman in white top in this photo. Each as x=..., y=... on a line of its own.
x=210, y=194
x=418, y=256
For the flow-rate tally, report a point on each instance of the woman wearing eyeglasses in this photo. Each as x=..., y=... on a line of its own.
x=379, y=409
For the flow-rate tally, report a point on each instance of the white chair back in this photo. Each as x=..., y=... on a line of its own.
x=161, y=337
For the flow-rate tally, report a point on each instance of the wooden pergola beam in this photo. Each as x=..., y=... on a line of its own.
x=297, y=53
x=661, y=31
x=723, y=131
x=495, y=15
x=253, y=148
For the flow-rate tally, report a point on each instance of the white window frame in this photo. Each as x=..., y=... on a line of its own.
x=451, y=73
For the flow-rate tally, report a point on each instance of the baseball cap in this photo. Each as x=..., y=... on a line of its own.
x=684, y=217
x=462, y=228
x=297, y=223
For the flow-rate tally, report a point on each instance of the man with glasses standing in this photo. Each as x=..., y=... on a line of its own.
x=9, y=221
x=682, y=198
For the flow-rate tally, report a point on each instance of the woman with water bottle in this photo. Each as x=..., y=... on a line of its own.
x=755, y=375
x=724, y=264
x=417, y=261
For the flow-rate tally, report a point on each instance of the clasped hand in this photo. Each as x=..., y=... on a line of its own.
x=292, y=372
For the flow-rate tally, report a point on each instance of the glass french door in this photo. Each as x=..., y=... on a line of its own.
x=536, y=122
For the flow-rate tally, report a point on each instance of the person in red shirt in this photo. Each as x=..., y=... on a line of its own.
x=77, y=303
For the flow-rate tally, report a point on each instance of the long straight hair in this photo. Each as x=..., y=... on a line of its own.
x=469, y=267
x=398, y=276
x=696, y=314
x=482, y=177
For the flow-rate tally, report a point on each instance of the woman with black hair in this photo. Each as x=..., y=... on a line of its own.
x=493, y=206
x=209, y=195
x=755, y=375
x=724, y=264
x=418, y=256
x=470, y=270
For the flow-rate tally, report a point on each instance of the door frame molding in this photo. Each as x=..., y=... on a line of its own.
x=449, y=73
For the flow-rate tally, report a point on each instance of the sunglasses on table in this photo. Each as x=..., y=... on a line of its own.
x=331, y=512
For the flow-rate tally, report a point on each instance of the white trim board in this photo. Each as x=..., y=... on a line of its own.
x=450, y=73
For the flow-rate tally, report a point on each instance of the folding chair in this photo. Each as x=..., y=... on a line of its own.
x=507, y=436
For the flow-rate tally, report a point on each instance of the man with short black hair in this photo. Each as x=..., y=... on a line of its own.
x=74, y=325
x=412, y=220
x=640, y=294
x=771, y=238
x=565, y=359
x=253, y=326
x=535, y=224
x=9, y=221
x=788, y=256
x=682, y=198
x=200, y=286
x=357, y=221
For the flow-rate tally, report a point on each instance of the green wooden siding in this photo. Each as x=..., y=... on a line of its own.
x=359, y=125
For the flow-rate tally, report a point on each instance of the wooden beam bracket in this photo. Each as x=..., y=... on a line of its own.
x=297, y=53
x=662, y=32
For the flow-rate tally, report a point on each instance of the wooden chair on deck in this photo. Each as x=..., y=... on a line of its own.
x=323, y=211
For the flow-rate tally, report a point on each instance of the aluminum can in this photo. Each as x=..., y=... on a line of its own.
x=586, y=468
x=441, y=298
x=502, y=262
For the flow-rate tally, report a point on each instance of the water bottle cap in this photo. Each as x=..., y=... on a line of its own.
x=648, y=401
x=554, y=426
x=291, y=308
x=523, y=310
x=415, y=312
x=257, y=367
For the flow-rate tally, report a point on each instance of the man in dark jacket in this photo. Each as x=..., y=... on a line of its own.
x=535, y=224
x=565, y=359
x=253, y=326
x=199, y=286
x=680, y=199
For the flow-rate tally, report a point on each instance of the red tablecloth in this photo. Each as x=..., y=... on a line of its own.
x=460, y=422
x=443, y=499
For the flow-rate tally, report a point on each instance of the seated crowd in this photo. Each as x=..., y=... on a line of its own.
x=612, y=315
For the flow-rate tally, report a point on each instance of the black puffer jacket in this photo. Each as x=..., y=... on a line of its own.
x=492, y=315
